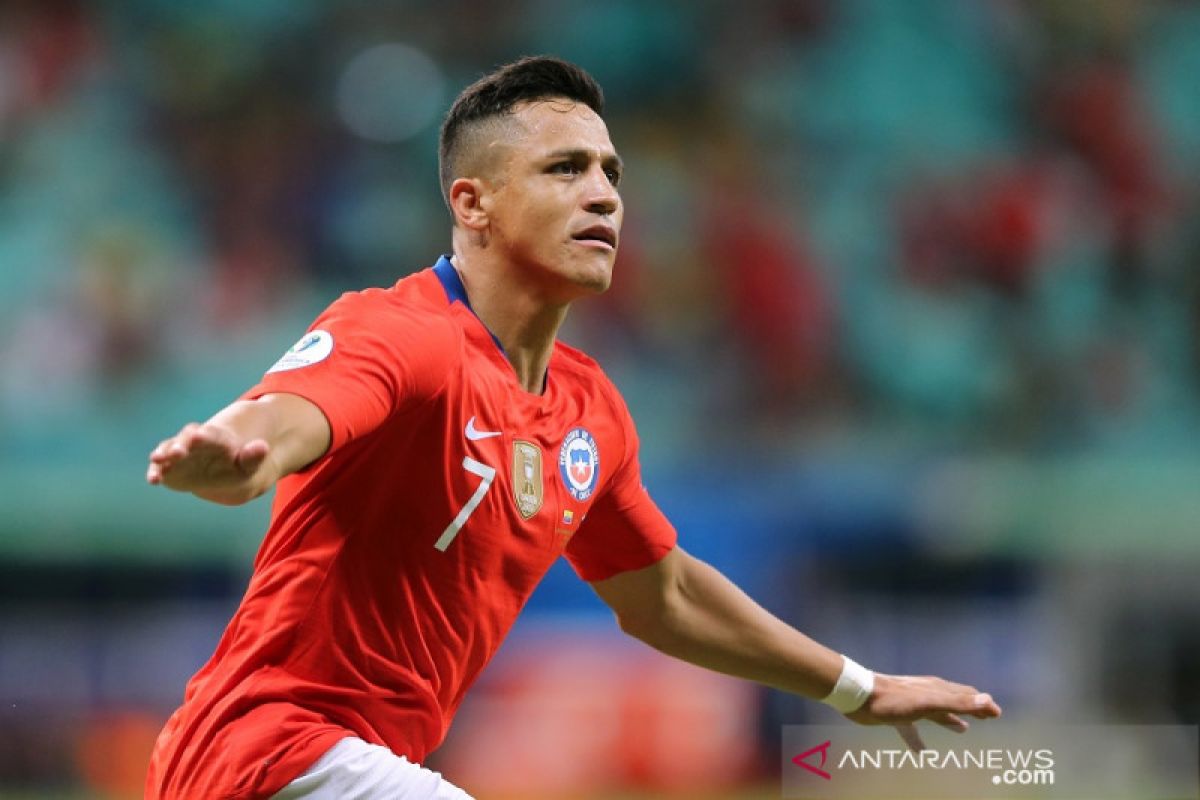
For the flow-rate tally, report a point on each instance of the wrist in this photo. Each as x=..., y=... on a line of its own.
x=853, y=687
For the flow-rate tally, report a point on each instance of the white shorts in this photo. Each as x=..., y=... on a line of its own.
x=355, y=770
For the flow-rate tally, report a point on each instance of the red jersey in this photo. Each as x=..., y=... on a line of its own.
x=396, y=563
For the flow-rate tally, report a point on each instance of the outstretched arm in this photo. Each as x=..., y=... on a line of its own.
x=243, y=450
x=686, y=609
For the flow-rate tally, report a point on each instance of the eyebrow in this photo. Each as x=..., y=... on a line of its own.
x=578, y=154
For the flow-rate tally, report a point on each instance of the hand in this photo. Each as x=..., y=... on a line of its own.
x=902, y=700
x=211, y=462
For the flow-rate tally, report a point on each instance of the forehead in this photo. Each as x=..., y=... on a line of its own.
x=560, y=124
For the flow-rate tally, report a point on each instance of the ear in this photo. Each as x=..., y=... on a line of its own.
x=468, y=201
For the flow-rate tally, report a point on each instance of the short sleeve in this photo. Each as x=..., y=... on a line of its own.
x=366, y=357
x=624, y=530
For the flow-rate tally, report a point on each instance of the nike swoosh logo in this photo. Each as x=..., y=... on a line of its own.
x=475, y=435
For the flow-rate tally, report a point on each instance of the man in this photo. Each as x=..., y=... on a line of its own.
x=435, y=449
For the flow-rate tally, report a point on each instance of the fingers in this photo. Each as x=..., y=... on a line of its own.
x=984, y=707
x=951, y=686
x=951, y=722
x=251, y=456
x=971, y=702
x=901, y=699
x=196, y=446
x=168, y=452
x=981, y=704
x=175, y=447
x=908, y=732
x=959, y=698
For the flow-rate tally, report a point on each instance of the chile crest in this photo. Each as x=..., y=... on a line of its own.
x=579, y=463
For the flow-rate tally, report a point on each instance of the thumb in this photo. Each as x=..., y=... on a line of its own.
x=251, y=456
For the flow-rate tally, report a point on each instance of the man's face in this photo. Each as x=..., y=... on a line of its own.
x=553, y=208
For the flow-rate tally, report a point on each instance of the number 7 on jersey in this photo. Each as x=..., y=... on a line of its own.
x=488, y=474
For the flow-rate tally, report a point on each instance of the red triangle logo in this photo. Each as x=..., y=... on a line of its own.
x=823, y=749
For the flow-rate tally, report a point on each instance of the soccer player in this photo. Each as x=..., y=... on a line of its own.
x=434, y=449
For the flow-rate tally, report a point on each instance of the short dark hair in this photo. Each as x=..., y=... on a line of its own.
x=525, y=80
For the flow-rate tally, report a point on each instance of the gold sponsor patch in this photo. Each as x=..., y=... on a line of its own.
x=527, y=477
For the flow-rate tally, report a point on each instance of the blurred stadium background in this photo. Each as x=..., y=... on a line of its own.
x=907, y=309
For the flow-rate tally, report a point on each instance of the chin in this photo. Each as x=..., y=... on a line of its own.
x=595, y=283
x=588, y=277
x=572, y=278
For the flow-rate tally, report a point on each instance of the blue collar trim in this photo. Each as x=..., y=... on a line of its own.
x=456, y=292
x=448, y=275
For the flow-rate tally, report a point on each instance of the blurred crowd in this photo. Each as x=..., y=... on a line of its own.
x=963, y=224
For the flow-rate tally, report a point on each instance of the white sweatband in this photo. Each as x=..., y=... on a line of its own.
x=853, y=687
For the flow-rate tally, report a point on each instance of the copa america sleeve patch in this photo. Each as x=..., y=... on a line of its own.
x=313, y=347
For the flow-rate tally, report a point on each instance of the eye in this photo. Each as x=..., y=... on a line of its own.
x=565, y=168
x=613, y=175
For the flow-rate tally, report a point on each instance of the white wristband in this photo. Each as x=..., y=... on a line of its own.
x=853, y=687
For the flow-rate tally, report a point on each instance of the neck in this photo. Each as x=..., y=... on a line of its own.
x=525, y=323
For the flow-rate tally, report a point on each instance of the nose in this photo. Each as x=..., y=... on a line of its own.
x=602, y=196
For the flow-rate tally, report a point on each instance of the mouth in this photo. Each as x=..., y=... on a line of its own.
x=597, y=235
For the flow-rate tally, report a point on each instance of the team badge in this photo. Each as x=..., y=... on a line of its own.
x=313, y=347
x=527, y=477
x=579, y=463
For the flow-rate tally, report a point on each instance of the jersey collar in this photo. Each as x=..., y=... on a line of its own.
x=456, y=292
